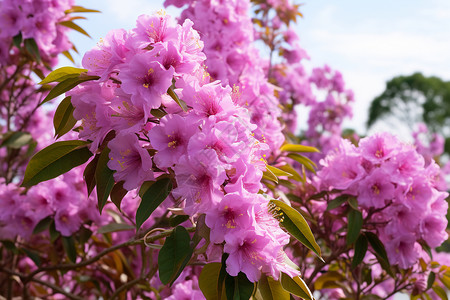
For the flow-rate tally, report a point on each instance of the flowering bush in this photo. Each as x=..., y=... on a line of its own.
x=186, y=135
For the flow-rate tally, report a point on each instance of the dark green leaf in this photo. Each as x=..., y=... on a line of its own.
x=177, y=220
x=431, y=279
x=55, y=160
x=42, y=225
x=152, y=198
x=33, y=255
x=117, y=194
x=104, y=178
x=33, y=49
x=355, y=222
x=10, y=246
x=238, y=287
x=63, y=120
x=380, y=251
x=353, y=202
x=89, y=174
x=16, y=139
x=271, y=289
x=67, y=85
x=69, y=246
x=338, y=201
x=17, y=40
x=54, y=235
x=84, y=235
x=296, y=286
x=174, y=255
x=296, y=225
x=361, y=246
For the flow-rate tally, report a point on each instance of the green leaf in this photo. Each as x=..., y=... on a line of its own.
x=16, y=139
x=42, y=225
x=89, y=174
x=208, y=281
x=76, y=8
x=174, y=255
x=33, y=255
x=10, y=246
x=114, y=227
x=33, y=49
x=104, y=178
x=431, y=279
x=69, y=56
x=268, y=175
x=380, y=251
x=152, y=198
x=117, y=194
x=67, y=85
x=238, y=287
x=355, y=222
x=55, y=160
x=54, y=235
x=69, y=246
x=298, y=148
x=353, y=202
x=177, y=220
x=309, y=164
x=75, y=27
x=296, y=286
x=271, y=289
x=296, y=225
x=336, y=202
x=63, y=121
x=180, y=102
x=445, y=280
x=17, y=40
x=277, y=172
x=329, y=280
x=440, y=292
x=62, y=74
x=361, y=246
x=288, y=168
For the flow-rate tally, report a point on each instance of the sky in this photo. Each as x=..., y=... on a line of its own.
x=369, y=42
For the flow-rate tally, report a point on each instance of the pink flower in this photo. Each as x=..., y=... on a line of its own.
x=432, y=229
x=145, y=80
x=153, y=29
x=171, y=139
x=131, y=162
x=375, y=189
x=379, y=147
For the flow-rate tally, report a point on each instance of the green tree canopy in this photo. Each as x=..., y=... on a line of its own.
x=413, y=99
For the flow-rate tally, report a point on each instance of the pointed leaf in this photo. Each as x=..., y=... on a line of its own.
x=63, y=120
x=173, y=255
x=337, y=202
x=75, y=27
x=361, y=246
x=277, y=172
x=431, y=279
x=17, y=40
x=268, y=175
x=33, y=49
x=380, y=252
x=42, y=225
x=180, y=102
x=296, y=286
x=329, y=280
x=104, y=178
x=238, y=287
x=69, y=246
x=288, y=168
x=152, y=198
x=67, y=85
x=208, y=280
x=89, y=174
x=298, y=148
x=306, y=162
x=33, y=255
x=271, y=289
x=117, y=194
x=296, y=225
x=440, y=292
x=114, y=227
x=355, y=222
x=76, y=8
x=16, y=139
x=55, y=160
x=62, y=74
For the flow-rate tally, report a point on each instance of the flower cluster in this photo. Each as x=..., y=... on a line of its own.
x=37, y=20
x=168, y=117
x=227, y=32
x=395, y=189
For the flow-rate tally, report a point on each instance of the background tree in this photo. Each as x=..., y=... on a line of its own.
x=414, y=99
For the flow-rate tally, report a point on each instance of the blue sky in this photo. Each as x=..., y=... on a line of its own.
x=368, y=41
